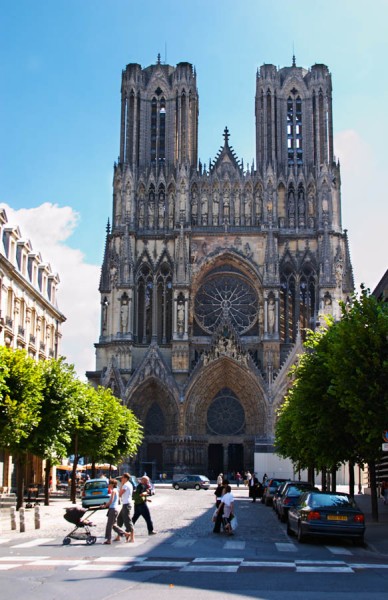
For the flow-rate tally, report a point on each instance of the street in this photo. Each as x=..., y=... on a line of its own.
x=186, y=560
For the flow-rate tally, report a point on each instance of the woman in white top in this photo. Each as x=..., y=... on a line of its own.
x=227, y=506
x=112, y=506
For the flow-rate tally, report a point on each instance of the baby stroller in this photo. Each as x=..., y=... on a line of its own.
x=81, y=531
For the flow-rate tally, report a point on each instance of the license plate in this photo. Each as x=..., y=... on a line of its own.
x=96, y=493
x=336, y=518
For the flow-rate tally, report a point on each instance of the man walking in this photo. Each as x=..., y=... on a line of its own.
x=140, y=498
x=124, y=517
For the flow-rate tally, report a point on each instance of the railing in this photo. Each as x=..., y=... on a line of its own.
x=8, y=321
x=21, y=330
x=32, y=339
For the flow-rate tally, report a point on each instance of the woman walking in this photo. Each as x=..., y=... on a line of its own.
x=112, y=506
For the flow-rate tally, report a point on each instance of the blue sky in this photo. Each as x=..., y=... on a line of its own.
x=60, y=70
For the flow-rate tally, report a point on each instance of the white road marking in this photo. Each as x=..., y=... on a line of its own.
x=261, y=564
x=367, y=566
x=324, y=569
x=234, y=545
x=156, y=564
x=100, y=567
x=9, y=566
x=4, y=540
x=32, y=543
x=22, y=558
x=211, y=568
x=217, y=560
x=183, y=543
x=119, y=559
x=285, y=547
x=53, y=562
x=339, y=550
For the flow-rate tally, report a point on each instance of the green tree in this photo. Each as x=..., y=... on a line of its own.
x=21, y=398
x=51, y=437
x=358, y=365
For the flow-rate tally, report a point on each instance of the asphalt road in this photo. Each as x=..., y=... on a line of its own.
x=186, y=560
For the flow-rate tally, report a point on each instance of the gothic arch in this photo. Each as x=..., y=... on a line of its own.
x=220, y=374
x=150, y=393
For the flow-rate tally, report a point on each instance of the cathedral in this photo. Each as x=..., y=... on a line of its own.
x=213, y=272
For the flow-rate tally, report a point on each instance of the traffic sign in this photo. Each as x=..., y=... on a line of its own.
x=385, y=447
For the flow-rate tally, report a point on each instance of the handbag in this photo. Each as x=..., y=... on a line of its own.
x=233, y=522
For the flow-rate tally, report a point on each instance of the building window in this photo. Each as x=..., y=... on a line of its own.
x=294, y=131
x=225, y=415
x=164, y=303
x=144, y=304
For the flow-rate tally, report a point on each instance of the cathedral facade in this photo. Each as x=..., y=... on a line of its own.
x=212, y=273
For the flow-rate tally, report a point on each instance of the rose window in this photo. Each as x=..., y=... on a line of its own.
x=225, y=416
x=226, y=298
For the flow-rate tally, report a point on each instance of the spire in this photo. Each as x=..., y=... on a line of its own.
x=226, y=136
x=158, y=59
x=104, y=278
x=348, y=266
x=293, y=55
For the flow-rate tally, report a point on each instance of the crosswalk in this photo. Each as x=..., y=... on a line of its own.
x=114, y=564
x=343, y=559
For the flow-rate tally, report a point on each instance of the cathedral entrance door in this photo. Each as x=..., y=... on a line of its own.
x=215, y=460
x=155, y=457
x=235, y=458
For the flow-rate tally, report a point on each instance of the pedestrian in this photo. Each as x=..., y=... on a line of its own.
x=220, y=479
x=219, y=493
x=124, y=518
x=140, y=498
x=247, y=478
x=238, y=478
x=227, y=509
x=384, y=490
x=112, y=506
x=253, y=488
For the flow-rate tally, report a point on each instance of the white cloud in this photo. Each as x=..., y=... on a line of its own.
x=364, y=207
x=48, y=226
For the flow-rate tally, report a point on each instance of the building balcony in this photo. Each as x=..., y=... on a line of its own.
x=32, y=340
x=21, y=331
x=8, y=321
x=42, y=347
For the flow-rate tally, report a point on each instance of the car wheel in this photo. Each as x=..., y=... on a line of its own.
x=301, y=537
x=176, y=487
x=289, y=530
x=197, y=487
x=91, y=540
x=66, y=541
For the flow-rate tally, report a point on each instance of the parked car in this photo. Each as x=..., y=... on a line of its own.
x=277, y=495
x=270, y=490
x=192, y=482
x=326, y=514
x=290, y=497
x=95, y=492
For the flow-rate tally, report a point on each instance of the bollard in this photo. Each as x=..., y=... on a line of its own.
x=12, y=512
x=37, y=517
x=22, y=522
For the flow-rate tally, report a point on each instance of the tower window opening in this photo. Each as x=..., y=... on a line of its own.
x=294, y=131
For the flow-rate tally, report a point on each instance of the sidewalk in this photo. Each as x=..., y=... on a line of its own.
x=52, y=523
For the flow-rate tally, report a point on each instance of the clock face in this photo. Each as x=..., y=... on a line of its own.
x=226, y=297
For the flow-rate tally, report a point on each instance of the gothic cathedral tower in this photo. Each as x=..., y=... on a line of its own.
x=212, y=274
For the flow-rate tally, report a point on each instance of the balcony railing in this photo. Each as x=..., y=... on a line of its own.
x=32, y=339
x=8, y=321
x=21, y=331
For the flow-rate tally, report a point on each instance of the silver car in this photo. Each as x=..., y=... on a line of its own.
x=192, y=482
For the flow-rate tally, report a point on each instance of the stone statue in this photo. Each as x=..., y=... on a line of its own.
x=180, y=318
x=171, y=205
x=194, y=208
x=204, y=209
x=161, y=210
x=226, y=205
x=151, y=210
x=258, y=207
x=216, y=208
x=247, y=210
x=124, y=317
x=271, y=316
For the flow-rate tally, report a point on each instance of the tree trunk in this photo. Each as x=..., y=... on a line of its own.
x=324, y=479
x=73, y=491
x=373, y=491
x=20, y=463
x=333, y=479
x=93, y=469
x=351, y=478
x=311, y=475
x=47, y=483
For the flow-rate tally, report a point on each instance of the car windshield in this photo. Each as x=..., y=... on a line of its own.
x=203, y=478
x=296, y=490
x=328, y=500
x=96, y=485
